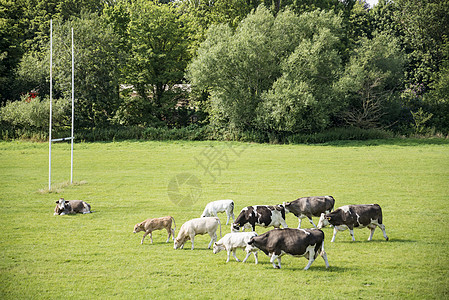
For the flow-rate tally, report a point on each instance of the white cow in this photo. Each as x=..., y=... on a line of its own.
x=232, y=241
x=219, y=206
x=196, y=226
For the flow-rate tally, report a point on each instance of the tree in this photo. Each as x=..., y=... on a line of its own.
x=303, y=98
x=236, y=67
x=158, y=54
x=97, y=61
x=373, y=74
x=249, y=71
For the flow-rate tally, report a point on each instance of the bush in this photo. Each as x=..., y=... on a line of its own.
x=34, y=114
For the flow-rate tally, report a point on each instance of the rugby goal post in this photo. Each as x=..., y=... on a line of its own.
x=72, y=137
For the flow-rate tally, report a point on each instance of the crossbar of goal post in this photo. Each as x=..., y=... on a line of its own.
x=72, y=137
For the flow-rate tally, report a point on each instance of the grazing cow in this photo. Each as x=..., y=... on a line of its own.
x=296, y=242
x=219, y=206
x=261, y=215
x=350, y=216
x=64, y=207
x=193, y=227
x=232, y=241
x=310, y=207
x=150, y=225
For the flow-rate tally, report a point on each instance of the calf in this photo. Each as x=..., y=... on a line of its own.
x=219, y=206
x=64, y=207
x=310, y=207
x=193, y=227
x=232, y=241
x=150, y=225
x=261, y=215
x=296, y=242
x=350, y=216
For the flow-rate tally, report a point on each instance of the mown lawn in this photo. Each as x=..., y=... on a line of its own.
x=97, y=256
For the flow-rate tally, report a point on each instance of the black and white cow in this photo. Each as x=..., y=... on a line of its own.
x=64, y=207
x=350, y=216
x=308, y=207
x=296, y=242
x=260, y=215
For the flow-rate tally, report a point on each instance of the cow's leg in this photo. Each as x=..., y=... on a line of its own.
x=172, y=234
x=283, y=223
x=351, y=231
x=311, y=221
x=255, y=257
x=311, y=250
x=235, y=256
x=229, y=254
x=299, y=222
x=382, y=227
x=169, y=234
x=273, y=257
x=192, y=237
x=324, y=256
x=248, y=253
x=335, y=233
x=144, y=235
x=371, y=228
x=212, y=240
x=151, y=237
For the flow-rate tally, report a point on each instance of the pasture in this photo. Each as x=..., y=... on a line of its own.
x=97, y=256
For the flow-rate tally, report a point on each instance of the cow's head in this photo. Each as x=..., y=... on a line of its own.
x=62, y=203
x=138, y=227
x=218, y=247
x=179, y=243
x=235, y=227
x=324, y=220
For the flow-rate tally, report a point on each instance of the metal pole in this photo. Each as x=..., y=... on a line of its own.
x=51, y=88
x=73, y=109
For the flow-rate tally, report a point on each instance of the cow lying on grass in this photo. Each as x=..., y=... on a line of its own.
x=233, y=241
x=350, y=216
x=218, y=206
x=308, y=207
x=196, y=226
x=150, y=225
x=296, y=242
x=64, y=207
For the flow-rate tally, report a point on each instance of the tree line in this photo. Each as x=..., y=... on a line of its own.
x=272, y=66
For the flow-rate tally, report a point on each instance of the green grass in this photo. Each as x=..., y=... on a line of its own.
x=97, y=256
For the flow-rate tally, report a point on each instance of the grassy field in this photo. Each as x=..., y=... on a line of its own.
x=97, y=256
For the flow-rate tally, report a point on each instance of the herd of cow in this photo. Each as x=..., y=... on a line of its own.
x=274, y=243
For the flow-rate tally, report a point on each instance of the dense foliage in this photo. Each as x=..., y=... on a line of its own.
x=267, y=68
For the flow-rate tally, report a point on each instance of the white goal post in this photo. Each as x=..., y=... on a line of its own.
x=72, y=137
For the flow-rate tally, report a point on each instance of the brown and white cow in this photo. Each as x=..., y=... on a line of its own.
x=296, y=242
x=350, y=216
x=64, y=207
x=308, y=207
x=197, y=226
x=260, y=215
x=150, y=225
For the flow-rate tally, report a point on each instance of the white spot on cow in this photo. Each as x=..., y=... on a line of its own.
x=305, y=231
x=345, y=208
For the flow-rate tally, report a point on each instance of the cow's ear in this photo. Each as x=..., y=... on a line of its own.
x=57, y=202
x=66, y=202
x=328, y=218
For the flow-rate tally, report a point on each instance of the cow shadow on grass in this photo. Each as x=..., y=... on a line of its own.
x=377, y=241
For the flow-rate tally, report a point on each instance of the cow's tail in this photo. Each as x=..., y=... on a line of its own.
x=219, y=223
x=173, y=219
x=379, y=219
